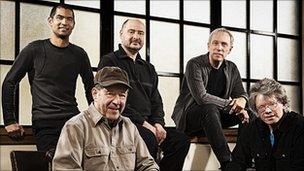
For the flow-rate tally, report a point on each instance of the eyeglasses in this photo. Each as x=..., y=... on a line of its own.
x=271, y=106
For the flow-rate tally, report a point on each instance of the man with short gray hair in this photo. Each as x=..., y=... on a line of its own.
x=212, y=96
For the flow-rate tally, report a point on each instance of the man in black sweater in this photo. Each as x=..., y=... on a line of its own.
x=53, y=66
x=144, y=105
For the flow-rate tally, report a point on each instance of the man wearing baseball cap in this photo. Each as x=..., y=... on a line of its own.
x=99, y=138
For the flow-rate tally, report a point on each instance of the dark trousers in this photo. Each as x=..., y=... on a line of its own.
x=47, y=133
x=175, y=147
x=209, y=120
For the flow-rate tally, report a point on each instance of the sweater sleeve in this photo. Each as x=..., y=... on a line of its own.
x=87, y=77
x=238, y=89
x=22, y=64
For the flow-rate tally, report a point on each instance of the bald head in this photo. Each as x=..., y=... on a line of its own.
x=132, y=35
x=131, y=20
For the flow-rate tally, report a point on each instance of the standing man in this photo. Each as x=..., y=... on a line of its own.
x=100, y=138
x=212, y=95
x=275, y=140
x=144, y=106
x=53, y=66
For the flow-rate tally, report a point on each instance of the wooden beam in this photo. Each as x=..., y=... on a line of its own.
x=28, y=139
x=230, y=134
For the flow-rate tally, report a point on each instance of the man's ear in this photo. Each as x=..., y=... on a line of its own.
x=94, y=92
x=120, y=34
x=50, y=21
x=230, y=49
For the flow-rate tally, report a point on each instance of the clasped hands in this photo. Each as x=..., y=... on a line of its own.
x=237, y=106
x=158, y=130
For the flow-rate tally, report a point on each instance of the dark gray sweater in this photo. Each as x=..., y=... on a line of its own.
x=52, y=73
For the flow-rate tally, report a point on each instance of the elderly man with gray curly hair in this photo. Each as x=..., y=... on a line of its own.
x=275, y=140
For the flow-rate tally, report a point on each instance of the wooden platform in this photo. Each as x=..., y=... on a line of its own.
x=230, y=134
x=29, y=139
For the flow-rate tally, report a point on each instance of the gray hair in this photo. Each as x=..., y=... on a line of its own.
x=218, y=30
x=268, y=87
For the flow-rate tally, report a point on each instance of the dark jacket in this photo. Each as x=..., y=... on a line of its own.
x=254, y=145
x=144, y=102
x=194, y=88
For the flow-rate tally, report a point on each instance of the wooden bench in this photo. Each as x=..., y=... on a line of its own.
x=29, y=139
x=230, y=134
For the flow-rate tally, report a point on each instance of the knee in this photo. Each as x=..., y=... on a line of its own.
x=210, y=108
x=210, y=112
x=149, y=138
x=181, y=140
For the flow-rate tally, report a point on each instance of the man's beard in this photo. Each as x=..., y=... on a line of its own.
x=134, y=49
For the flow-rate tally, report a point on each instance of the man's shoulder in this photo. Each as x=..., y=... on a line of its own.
x=294, y=119
x=201, y=60
x=230, y=64
x=77, y=48
x=127, y=121
x=110, y=55
x=77, y=120
x=36, y=44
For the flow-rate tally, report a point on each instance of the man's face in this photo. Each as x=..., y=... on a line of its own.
x=269, y=109
x=219, y=46
x=132, y=35
x=110, y=101
x=62, y=23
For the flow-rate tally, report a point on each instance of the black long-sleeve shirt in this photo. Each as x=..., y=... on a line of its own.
x=144, y=102
x=52, y=73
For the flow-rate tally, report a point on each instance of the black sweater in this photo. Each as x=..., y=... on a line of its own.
x=52, y=73
x=144, y=102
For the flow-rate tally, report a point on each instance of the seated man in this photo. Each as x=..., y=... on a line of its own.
x=275, y=140
x=144, y=106
x=100, y=138
x=212, y=96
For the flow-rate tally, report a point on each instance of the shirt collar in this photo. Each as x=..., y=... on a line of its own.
x=97, y=117
x=121, y=53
